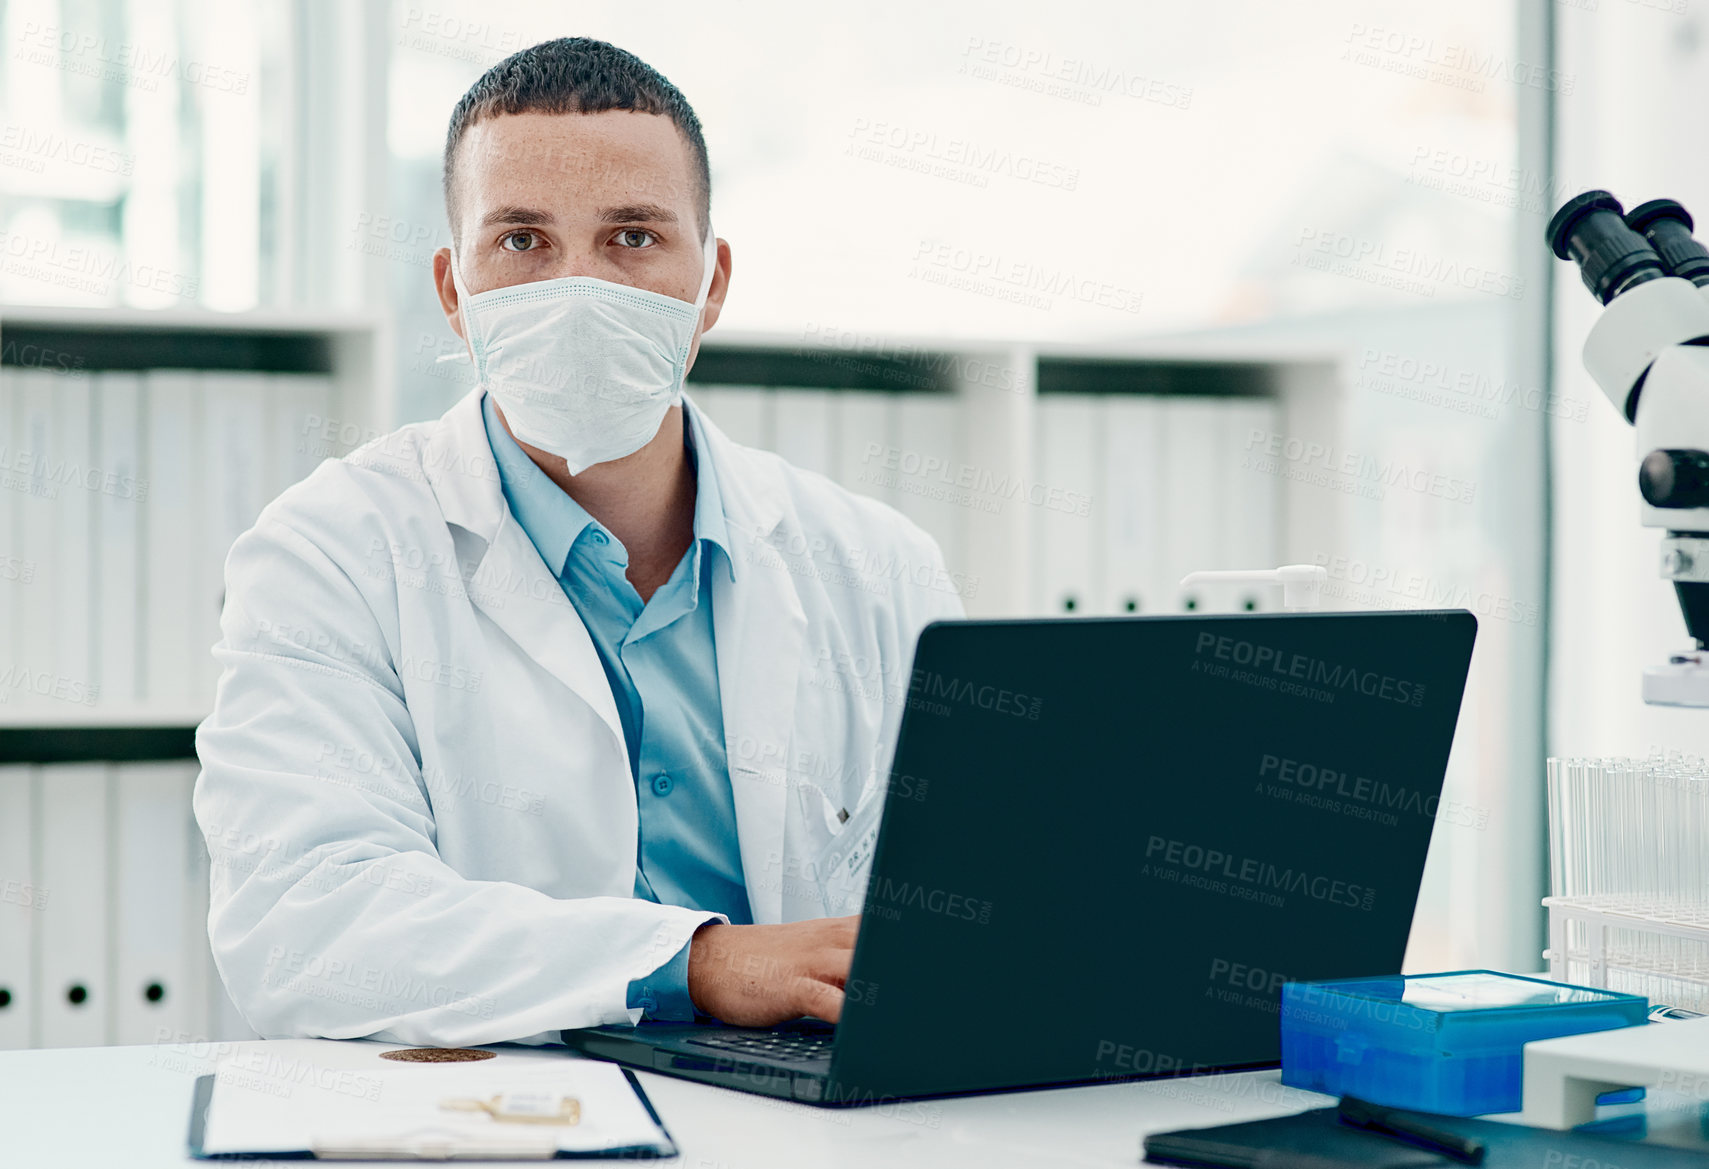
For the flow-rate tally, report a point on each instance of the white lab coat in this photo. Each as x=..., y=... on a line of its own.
x=415, y=787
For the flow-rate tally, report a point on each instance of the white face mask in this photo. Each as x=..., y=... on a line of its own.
x=582, y=367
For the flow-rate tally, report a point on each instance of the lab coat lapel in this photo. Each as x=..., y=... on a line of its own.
x=512, y=586
x=509, y=582
x=760, y=629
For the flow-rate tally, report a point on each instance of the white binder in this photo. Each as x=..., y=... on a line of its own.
x=1195, y=494
x=228, y=1025
x=1131, y=503
x=235, y=468
x=303, y=430
x=1066, y=576
x=118, y=550
x=52, y=665
x=201, y=979
x=80, y=484
x=801, y=421
x=17, y=573
x=929, y=436
x=211, y=1012
x=153, y=859
x=21, y=902
x=172, y=525
x=1251, y=514
x=864, y=440
x=74, y=993
x=742, y=412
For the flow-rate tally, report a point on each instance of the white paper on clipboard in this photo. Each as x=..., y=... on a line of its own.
x=339, y=1098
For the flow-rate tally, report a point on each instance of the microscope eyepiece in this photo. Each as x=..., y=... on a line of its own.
x=1590, y=231
x=1675, y=479
x=1668, y=226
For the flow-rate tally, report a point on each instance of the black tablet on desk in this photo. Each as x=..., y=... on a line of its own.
x=1320, y=1136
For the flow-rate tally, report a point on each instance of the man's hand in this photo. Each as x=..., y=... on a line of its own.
x=760, y=975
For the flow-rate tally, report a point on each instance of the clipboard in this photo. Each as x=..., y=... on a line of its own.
x=357, y=1128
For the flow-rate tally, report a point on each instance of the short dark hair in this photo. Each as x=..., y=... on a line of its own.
x=576, y=75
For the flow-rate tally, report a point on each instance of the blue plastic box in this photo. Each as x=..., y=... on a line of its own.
x=1449, y=1043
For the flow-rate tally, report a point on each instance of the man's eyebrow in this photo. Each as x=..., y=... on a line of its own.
x=531, y=216
x=638, y=213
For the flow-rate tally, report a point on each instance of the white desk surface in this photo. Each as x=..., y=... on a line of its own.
x=129, y=1107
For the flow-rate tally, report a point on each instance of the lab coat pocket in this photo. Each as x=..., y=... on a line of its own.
x=844, y=864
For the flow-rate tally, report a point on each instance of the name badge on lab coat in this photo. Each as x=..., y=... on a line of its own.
x=843, y=867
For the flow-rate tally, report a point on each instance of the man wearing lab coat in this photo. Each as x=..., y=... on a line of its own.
x=561, y=710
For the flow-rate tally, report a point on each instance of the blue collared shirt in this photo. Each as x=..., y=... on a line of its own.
x=662, y=663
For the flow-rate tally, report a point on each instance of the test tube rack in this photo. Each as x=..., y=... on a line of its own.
x=1629, y=876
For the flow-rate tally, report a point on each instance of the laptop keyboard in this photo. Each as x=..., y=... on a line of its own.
x=770, y=1045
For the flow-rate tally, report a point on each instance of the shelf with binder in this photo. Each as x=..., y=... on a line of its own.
x=134, y=447
x=961, y=436
x=1057, y=479
x=103, y=900
x=932, y=428
x=1150, y=452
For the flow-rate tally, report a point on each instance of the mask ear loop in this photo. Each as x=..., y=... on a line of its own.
x=709, y=256
x=463, y=307
x=709, y=262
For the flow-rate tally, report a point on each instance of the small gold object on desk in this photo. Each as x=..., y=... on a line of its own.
x=437, y=1054
x=522, y=1107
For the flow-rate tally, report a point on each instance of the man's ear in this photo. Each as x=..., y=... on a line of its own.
x=720, y=287
x=715, y=294
x=446, y=287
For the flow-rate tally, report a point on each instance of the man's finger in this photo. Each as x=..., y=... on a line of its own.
x=822, y=1001
x=832, y=965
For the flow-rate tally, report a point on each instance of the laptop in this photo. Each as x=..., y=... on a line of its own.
x=1132, y=832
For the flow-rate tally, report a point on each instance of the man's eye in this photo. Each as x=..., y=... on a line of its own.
x=520, y=241
x=634, y=237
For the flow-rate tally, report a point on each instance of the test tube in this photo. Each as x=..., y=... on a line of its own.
x=1557, y=853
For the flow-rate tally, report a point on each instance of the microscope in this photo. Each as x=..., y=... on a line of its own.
x=1649, y=351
